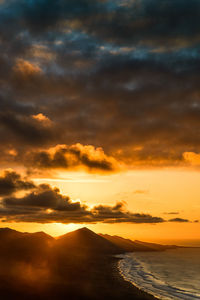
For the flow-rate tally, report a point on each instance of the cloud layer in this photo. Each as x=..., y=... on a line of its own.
x=121, y=75
x=44, y=204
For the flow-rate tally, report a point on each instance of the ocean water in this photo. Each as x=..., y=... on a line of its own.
x=172, y=274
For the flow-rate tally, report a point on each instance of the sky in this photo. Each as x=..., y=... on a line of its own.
x=100, y=117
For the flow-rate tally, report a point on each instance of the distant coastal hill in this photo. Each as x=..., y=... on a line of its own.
x=133, y=246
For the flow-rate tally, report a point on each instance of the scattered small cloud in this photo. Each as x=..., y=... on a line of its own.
x=42, y=118
x=179, y=220
x=26, y=68
x=171, y=213
x=141, y=192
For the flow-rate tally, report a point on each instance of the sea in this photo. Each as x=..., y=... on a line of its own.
x=171, y=274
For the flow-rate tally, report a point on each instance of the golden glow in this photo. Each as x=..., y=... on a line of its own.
x=159, y=193
x=192, y=158
x=162, y=190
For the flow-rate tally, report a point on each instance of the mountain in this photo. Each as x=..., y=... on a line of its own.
x=131, y=246
x=9, y=234
x=154, y=246
x=126, y=244
x=17, y=245
x=86, y=241
x=31, y=246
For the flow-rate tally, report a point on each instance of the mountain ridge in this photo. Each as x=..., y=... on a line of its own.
x=86, y=240
x=82, y=240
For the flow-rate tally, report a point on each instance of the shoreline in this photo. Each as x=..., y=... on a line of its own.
x=137, y=293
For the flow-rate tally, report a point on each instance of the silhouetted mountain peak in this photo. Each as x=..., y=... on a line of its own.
x=84, y=229
x=78, y=233
x=85, y=240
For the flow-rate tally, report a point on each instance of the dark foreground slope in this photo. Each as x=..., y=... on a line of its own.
x=79, y=265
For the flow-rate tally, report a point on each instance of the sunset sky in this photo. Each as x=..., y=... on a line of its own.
x=100, y=117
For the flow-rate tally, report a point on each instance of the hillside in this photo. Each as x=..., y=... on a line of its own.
x=16, y=245
x=86, y=241
x=154, y=246
x=132, y=246
x=20, y=245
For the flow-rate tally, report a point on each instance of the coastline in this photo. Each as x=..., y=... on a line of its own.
x=153, y=274
x=135, y=292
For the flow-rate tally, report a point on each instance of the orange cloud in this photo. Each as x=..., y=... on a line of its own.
x=192, y=158
x=75, y=156
x=141, y=192
x=26, y=68
x=42, y=118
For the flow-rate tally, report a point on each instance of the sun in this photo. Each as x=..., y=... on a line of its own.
x=60, y=229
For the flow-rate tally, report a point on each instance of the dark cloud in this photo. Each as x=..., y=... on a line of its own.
x=25, y=128
x=11, y=182
x=43, y=198
x=130, y=123
x=121, y=75
x=171, y=213
x=46, y=205
x=150, y=23
x=117, y=214
x=131, y=22
x=72, y=157
x=180, y=220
